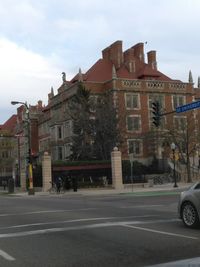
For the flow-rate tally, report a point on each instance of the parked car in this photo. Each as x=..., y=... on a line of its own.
x=189, y=206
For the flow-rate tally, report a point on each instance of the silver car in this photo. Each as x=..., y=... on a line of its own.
x=189, y=206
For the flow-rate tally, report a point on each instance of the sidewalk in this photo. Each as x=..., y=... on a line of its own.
x=111, y=191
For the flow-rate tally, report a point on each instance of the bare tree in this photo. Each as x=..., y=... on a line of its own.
x=184, y=133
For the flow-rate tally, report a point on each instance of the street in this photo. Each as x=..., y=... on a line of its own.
x=73, y=230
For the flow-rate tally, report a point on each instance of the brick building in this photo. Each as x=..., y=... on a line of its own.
x=133, y=85
x=22, y=137
x=8, y=154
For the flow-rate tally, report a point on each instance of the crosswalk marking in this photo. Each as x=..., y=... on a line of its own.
x=6, y=256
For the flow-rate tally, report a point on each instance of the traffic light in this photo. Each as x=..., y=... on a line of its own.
x=156, y=113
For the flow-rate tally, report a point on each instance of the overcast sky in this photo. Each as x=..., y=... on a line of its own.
x=41, y=39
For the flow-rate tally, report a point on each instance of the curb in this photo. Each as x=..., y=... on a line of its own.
x=137, y=191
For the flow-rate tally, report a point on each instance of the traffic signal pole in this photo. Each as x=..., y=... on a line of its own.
x=156, y=113
x=156, y=110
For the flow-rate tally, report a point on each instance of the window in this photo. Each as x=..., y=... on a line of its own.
x=159, y=98
x=197, y=186
x=178, y=100
x=135, y=147
x=132, y=101
x=180, y=123
x=5, y=154
x=67, y=150
x=60, y=153
x=59, y=131
x=133, y=123
x=68, y=128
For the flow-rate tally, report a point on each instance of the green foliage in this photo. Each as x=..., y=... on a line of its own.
x=79, y=110
x=80, y=163
x=138, y=168
x=94, y=126
x=106, y=133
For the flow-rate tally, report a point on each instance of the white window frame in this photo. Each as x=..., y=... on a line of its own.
x=68, y=131
x=140, y=147
x=178, y=101
x=67, y=151
x=140, y=124
x=138, y=101
x=178, y=128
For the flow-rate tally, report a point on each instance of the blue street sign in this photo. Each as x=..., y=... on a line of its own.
x=187, y=107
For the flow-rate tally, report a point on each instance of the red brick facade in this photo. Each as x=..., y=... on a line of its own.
x=134, y=85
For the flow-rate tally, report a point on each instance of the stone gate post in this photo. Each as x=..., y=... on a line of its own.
x=116, y=163
x=46, y=171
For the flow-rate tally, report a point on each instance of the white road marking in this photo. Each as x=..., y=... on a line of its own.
x=43, y=211
x=6, y=256
x=93, y=226
x=63, y=229
x=75, y=220
x=182, y=263
x=141, y=206
x=159, y=232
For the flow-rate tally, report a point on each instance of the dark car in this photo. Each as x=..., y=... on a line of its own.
x=189, y=206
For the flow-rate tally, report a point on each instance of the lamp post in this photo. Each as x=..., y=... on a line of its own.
x=173, y=147
x=131, y=162
x=29, y=162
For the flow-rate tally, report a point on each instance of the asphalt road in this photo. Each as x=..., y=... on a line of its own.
x=121, y=230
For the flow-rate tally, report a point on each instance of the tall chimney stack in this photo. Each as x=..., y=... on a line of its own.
x=151, y=56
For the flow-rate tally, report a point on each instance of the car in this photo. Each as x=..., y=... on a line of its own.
x=189, y=206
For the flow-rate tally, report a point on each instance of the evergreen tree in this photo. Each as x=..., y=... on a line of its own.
x=94, y=125
x=79, y=111
x=106, y=128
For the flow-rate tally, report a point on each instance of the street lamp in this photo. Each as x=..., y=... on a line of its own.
x=131, y=162
x=173, y=147
x=29, y=163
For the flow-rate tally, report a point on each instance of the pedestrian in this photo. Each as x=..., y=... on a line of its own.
x=67, y=183
x=74, y=184
x=4, y=183
x=58, y=184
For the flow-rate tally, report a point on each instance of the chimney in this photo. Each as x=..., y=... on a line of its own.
x=114, y=74
x=114, y=53
x=39, y=104
x=151, y=56
x=139, y=51
x=106, y=53
x=129, y=59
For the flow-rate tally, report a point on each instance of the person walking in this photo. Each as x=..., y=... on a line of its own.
x=58, y=184
x=74, y=184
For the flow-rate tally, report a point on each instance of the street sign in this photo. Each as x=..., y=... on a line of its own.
x=187, y=107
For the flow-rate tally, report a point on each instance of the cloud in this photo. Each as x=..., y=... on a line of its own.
x=25, y=76
x=40, y=39
x=20, y=16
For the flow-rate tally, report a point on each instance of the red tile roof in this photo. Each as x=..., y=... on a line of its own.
x=147, y=71
x=10, y=124
x=101, y=71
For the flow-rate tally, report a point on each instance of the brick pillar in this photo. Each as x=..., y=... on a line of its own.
x=116, y=163
x=46, y=171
